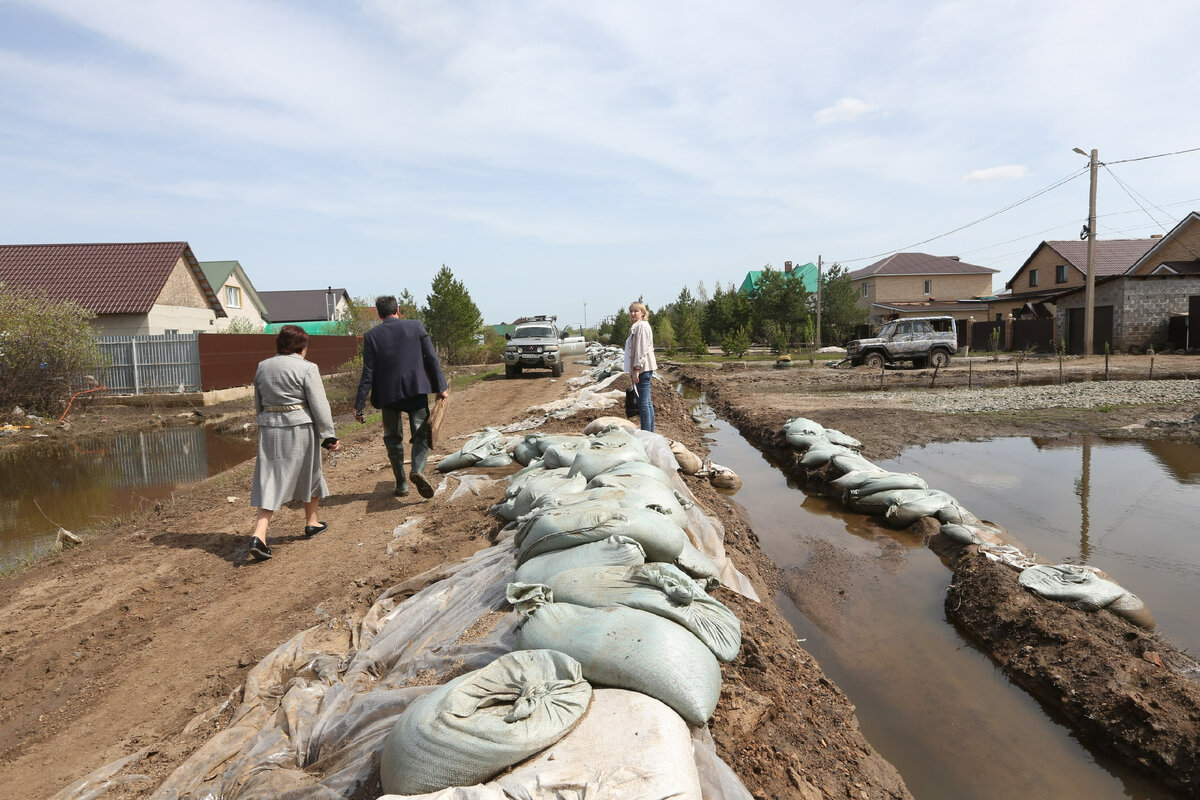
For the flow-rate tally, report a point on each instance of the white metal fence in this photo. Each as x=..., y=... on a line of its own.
x=168, y=362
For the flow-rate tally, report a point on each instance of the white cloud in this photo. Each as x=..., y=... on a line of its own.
x=1006, y=173
x=847, y=109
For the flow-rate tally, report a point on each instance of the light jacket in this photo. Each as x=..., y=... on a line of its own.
x=639, y=348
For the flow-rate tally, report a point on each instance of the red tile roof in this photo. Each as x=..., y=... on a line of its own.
x=920, y=264
x=103, y=278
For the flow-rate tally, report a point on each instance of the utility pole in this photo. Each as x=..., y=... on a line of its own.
x=1089, y=294
x=818, y=303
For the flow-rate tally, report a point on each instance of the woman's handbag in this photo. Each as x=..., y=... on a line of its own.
x=631, y=402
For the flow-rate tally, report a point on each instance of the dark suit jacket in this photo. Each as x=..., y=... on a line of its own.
x=399, y=362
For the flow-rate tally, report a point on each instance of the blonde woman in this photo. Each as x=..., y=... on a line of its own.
x=639, y=361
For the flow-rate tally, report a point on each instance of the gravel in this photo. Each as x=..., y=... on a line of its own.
x=1070, y=395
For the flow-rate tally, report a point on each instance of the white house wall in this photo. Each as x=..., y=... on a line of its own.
x=247, y=312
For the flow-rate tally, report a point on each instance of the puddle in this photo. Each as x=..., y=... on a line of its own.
x=867, y=603
x=91, y=480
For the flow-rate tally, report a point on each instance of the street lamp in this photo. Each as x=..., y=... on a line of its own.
x=1090, y=290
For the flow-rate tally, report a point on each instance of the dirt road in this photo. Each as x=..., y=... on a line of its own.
x=117, y=645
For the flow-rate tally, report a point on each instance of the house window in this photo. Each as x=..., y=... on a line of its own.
x=233, y=297
x=928, y=287
x=864, y=290
x=1060, y=273
x=1033, y=278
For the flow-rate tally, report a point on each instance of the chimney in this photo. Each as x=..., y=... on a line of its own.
x=954, y=258
x=787, y=267
x=1156, y=236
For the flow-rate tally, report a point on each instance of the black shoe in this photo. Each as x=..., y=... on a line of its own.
x=424, y=487
x=401, y=491
x=312, y=530
x=259, y=549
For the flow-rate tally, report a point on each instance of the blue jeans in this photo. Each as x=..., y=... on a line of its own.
x=645, y=406
x=393, y=440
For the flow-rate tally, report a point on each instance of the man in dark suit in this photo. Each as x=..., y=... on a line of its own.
x=400, y=370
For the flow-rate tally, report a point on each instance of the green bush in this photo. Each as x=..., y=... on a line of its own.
x=736, y=344
x=47, y=350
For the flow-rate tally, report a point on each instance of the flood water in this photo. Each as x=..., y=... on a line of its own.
x=928, y=701
x=87, y=481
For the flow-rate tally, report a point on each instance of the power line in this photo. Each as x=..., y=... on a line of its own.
x=984, y=218
x=1147, y=158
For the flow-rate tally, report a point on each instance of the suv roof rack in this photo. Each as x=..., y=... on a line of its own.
x=535, y=318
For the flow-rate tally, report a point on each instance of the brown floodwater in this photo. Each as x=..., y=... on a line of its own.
x=84, y=482
x=867, y=602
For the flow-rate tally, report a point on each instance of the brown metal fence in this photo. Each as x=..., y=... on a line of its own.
x=230, y=359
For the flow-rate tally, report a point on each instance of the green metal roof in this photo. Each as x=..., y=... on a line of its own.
x=806, y=272
x=318, y=328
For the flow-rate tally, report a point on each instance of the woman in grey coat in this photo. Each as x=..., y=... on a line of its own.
x=294, y=423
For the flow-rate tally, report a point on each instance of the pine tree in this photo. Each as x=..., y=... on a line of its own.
x=451, y=317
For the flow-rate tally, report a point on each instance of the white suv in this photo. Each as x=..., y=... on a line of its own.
x=535, y=342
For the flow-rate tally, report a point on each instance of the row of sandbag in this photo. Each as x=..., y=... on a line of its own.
x=601, y=599
x=902, y=499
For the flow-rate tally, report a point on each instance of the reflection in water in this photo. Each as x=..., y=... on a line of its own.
x=1128, y=508
x=92, y=479
x=867, y=603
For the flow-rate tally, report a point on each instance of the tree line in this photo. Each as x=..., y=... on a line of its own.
x=779, y=312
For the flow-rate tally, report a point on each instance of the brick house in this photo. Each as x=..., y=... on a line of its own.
x=914, y=284
x=1057, y=268
x=133, y=289
x=1134, y=310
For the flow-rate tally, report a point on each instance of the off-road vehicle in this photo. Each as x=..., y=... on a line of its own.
x=924, y=341
x=535, y=342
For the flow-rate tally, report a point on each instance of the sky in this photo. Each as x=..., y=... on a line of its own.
x=568, y=158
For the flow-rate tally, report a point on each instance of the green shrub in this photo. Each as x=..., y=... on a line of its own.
x=47, y=351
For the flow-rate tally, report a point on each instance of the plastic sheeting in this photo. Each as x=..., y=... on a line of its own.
x=486, y=449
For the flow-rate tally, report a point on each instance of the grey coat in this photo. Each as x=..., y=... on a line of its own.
x=291, y=380
x=288, y=467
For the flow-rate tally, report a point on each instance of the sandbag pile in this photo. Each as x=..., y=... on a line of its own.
x=608, y=591
x=902, y=499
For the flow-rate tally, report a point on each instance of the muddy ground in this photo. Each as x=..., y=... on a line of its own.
x=116, y=645
x=1121, y=688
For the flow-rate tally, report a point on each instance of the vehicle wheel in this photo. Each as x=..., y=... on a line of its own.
x=874, y=360
x=510, y=371
x=940, y=358
x=556, y=369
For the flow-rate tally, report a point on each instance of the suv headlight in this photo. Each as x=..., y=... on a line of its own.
x=552, y=347
x=510, y=348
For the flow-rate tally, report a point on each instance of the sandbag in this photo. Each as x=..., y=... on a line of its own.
x=1079, y=586
x=803, y=433
x=689, y=463
x=486, y=449
x=481, y=723
x=880, y=502
x=648, y=493
x=848, y=462
x=623, y=647
x=600, y=424
x=535, y=486
x=550, y=529
x=699, y=566
x=661, y=589
x=602, y=454
x=819, y=454
x=637, y=468
x=885, y=482
x=615, y=551
x=855, y=479
x=841, y=439
x=903, y=514
x=560, y=454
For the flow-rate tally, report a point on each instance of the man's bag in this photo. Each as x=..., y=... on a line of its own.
x=631, y=401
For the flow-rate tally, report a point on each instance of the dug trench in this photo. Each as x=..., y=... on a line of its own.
x=1122, y=689
x=133, y=642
